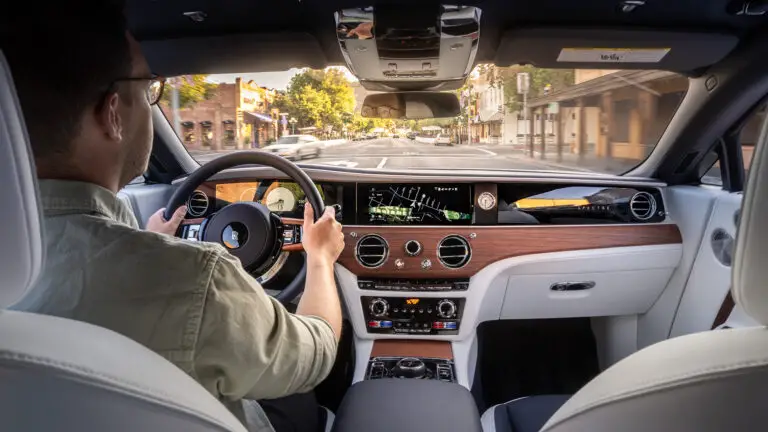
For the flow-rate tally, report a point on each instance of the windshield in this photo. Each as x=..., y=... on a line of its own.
x=288, y=140
x=511, y=118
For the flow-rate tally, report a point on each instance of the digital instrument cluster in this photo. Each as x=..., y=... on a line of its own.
x=285, y=198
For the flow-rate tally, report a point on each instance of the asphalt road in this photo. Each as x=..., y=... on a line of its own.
x=403, y=153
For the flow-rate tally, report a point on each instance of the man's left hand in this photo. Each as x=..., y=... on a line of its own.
x=158, y=224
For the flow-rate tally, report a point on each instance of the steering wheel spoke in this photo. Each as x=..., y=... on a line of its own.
x=292, y=232
x=249, y=230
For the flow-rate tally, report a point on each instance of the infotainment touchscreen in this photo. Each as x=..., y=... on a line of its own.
x=415, y=204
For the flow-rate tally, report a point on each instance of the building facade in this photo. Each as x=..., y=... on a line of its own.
x=237, y=116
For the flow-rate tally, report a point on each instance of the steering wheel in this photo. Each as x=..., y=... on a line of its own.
x=248, y=230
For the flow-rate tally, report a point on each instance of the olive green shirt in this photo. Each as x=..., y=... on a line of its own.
x=191, y=302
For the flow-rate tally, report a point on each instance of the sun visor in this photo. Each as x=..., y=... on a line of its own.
x=234, y=53
x=613, y=49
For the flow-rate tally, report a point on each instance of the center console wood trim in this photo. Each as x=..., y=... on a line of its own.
x=494, y=243
x=412, y=348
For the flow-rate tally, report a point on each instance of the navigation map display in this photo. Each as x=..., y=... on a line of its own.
x=415, y=204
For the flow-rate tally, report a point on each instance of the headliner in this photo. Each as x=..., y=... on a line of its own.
x=255, y=35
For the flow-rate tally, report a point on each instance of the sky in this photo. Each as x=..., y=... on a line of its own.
x=275, y=80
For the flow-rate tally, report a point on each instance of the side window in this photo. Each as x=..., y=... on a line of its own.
x=744, y=140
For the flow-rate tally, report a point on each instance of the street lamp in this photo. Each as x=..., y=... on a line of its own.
x=293, y=122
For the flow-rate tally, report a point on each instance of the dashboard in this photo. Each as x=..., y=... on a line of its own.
x=444, y=204
x=432, y=257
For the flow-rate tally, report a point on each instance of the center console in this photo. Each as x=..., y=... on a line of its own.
x=407, y=405
x=410, y=367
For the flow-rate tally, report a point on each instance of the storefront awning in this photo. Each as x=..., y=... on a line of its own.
x=616, y=80
x=493, y=116
x=259, y=116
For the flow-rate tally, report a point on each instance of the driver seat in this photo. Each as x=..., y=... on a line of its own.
x=59, y=374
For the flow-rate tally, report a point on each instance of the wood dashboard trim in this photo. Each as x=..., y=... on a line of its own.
x=494, y=243
x=411, y=348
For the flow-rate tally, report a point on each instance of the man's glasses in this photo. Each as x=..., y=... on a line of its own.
x=155, y=87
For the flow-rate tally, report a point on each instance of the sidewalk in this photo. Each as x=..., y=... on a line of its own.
x=587, y=163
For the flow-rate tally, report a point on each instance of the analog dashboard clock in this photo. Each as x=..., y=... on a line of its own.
x=280, y=199
x=486, y=201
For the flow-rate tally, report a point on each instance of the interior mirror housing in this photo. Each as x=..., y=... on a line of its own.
x=410, y=105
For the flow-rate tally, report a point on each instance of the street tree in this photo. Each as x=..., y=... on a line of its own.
x=319, y=98
x=192, y=89
x=541, y=80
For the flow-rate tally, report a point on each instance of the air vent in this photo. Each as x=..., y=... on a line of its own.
x=642, y=206
x=371, y=251
x=197, y=204
x=454, y=251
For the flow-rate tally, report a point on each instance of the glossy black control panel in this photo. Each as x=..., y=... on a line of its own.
x=412, y=315
x=410, y=367
x=414, y=284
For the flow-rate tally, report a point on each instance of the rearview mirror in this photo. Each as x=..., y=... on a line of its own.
x=410, y=105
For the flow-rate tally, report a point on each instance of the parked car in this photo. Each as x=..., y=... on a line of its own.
x=443, y=139
x=296, y=147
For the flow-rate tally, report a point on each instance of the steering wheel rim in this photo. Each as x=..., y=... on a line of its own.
x=194, y=180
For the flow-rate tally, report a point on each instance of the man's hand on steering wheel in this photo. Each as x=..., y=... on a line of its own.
x=323, y=240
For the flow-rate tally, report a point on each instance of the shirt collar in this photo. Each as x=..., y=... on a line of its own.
x=61, y=197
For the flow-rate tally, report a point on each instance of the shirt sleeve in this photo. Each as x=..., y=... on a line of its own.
x=250, y=346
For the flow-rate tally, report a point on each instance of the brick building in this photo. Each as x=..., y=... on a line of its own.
x=238, y=116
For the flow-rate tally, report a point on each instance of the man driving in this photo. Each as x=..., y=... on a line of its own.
x=86, y=91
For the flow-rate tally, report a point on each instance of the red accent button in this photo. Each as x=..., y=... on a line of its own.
x=374, y=324
x=437, y=325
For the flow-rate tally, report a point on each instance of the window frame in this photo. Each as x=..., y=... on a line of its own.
x=728, y=149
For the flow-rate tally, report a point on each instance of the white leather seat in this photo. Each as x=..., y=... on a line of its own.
x=711, y=381
x=57, y=374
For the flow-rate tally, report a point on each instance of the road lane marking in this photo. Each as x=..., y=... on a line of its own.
x=345, y=163
x=486, y=151
x=382, y=163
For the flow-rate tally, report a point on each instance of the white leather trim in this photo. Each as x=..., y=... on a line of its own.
x=689, y=207
x=331, y=417
x=21, y=232
x=750, y=271
x=488, y=419
x=710, y=280
x=363, y=348
x=71, y=350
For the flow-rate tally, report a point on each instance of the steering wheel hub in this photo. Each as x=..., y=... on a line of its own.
x=248, y=230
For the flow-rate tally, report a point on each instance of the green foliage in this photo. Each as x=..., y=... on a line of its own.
x=192, y=89
x=319, y=98
x=557, y=79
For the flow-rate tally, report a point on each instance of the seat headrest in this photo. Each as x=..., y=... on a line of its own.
x=750, y=268
x=21, y=231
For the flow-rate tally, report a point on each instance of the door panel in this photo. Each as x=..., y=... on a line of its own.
x=690, y=208
x=710, y=279
x=146, y=199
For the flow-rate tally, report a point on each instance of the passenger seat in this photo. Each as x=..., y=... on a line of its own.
x=525, y=414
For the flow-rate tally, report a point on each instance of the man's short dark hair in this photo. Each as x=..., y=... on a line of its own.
x=64, y=58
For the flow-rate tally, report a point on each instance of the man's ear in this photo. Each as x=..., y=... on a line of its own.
x=109, y=117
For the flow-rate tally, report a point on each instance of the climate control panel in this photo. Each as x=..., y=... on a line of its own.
x=412, y=315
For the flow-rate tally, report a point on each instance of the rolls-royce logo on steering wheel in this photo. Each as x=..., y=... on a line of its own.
x=234, y=235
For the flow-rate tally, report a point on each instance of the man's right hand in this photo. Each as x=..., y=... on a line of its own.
x=323, y=240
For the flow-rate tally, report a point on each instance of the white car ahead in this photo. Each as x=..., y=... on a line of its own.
x=296, y=147
x=443, y=139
